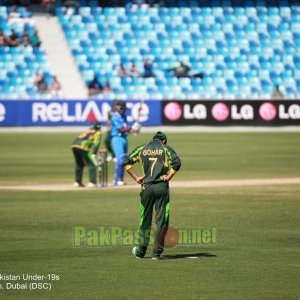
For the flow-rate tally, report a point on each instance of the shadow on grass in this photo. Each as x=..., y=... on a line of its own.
x=191, y=255
x=65, y=253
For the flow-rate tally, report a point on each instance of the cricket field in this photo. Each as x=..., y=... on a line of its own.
x=234, y=203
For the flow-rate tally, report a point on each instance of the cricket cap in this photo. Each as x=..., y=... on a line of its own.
x=96, y=125
x=159, y=135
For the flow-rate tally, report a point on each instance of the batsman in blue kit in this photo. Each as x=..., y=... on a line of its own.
x=159, y=164
x=119, y=132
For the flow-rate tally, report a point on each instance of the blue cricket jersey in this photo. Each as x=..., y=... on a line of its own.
x=117, y=122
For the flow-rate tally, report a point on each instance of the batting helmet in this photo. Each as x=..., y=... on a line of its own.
x=121, y=106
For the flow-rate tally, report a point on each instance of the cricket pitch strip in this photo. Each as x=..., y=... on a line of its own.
x=174, y=184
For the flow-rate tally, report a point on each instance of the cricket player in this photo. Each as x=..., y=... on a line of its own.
x=111, y=155
x=119, y=132
x=85, y=148
x=159, y=163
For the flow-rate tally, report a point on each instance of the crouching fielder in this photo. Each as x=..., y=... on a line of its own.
x=159, y=163
x=85, y=148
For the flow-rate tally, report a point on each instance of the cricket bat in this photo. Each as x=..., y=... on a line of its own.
x=140, y=111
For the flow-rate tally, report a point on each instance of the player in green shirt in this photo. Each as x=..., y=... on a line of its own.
x=85, y=148
x=159, y=163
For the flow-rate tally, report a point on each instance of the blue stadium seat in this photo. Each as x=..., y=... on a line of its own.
x=239, y=43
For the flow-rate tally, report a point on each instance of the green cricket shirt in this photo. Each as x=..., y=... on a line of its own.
x=156, y=160
x=88, y=141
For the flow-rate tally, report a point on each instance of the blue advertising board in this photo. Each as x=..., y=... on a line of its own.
x=73, y=112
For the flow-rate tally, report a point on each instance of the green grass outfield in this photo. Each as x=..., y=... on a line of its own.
x=47, y=158
x=257, y=251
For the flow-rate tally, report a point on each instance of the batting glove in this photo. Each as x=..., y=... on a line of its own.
x=136, y=127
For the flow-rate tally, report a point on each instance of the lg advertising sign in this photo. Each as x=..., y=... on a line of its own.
x=262, y=113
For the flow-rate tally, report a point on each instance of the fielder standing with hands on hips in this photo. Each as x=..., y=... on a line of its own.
x=159, y=163
x=119, y=132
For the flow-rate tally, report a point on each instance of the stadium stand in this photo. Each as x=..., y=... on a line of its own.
x=20, y=63
x=242, y=52
x=235, y=49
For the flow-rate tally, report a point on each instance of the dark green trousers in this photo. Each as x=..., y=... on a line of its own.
x=154, y=197
x=82, y=159
x=108, y=144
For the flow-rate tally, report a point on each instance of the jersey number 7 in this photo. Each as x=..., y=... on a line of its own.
x=154, y=161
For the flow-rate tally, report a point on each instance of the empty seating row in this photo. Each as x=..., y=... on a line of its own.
x=242, y=52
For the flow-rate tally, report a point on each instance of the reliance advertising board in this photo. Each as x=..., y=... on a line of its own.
x=241, y=113
x=152, y=113
x=70, y=113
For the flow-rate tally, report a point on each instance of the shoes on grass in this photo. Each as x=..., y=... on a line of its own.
x=157, y=257
x=78, y=184
x=136, y=253
x=120, y=183
x=90, y=184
